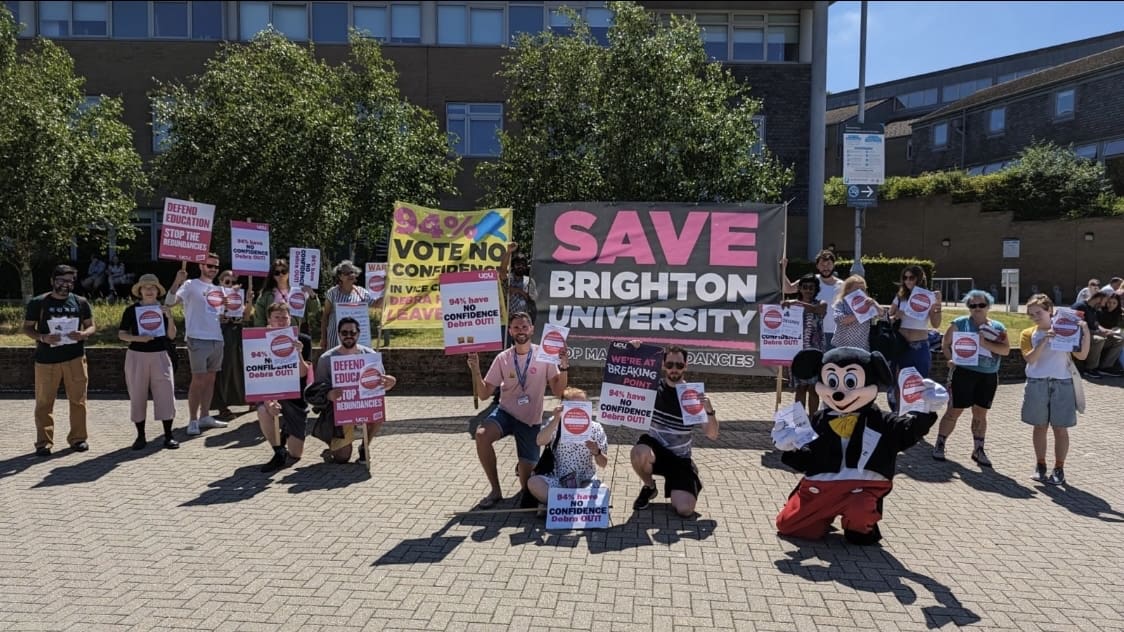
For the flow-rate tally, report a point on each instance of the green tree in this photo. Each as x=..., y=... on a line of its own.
x=320, y=152
x=65, y=173
x=1047, y=181
x=647, y=117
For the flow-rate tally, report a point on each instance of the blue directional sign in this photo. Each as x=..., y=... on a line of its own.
x=862, y=195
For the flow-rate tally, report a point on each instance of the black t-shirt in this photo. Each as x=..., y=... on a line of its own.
x=306, y=352
x=129, y=324
x=44, y=307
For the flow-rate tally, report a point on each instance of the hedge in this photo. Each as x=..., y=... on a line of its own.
x=882, y=273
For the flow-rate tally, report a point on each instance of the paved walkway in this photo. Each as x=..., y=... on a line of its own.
x=198, y=539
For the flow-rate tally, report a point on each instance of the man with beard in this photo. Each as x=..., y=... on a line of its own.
x=829, y=285
x=666, y=449
x=59, y=322
x=203, y=303
x=522, y=382
x=321, y=395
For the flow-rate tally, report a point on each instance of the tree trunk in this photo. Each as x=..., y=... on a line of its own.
x=27, y=281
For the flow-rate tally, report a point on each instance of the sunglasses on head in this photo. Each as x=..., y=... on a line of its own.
x=977, y=305
x=674, y=365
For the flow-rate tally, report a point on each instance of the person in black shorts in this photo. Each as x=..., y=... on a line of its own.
x=666, y=449
x=289, y=446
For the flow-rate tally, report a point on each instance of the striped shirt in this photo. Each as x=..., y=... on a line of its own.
x=336, y=295
x=667, y=422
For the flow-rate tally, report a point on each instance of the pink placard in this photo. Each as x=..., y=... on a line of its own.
x=186, y=231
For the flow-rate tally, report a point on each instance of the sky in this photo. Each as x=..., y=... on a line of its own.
x=911, y=38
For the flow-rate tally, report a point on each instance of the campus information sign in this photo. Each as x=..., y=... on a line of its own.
x=426, y=243
x=186, y=231
x=663, y=273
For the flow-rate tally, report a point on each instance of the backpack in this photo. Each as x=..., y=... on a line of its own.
x=887, y=340
x=546, y=461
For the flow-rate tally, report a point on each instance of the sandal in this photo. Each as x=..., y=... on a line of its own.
x=489, y=501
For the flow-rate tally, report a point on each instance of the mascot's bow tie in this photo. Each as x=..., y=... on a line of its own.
x=844, y=426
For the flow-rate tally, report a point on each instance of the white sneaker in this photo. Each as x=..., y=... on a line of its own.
x=211, y=422
x=193, y=427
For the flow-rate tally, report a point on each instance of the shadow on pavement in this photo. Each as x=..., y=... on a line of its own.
x=918, y=464
x=245, y=482
x=242, y=433
x=322, y=476
x=17, y=464
x=873, y=570
x=87, y=470
x=1082, y=502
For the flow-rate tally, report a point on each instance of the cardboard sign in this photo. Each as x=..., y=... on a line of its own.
x=150, y=321
x=911, y=389
x=553, y=341
x=1067, y=330
x=235, y=305
x=857, y=301
x=362, y=400
x=577, y=421
x=965, y=348
x=186, y=230
x=304, y=267
x=581, y=508
x=918, y=304
x=376, y=280
x=628, y=386
x=249, y=248
x=778, y=347
x=470, y=311
x=271, y=363
x=690, y=402
x=297, y=302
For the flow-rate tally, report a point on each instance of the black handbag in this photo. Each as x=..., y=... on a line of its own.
x=887, y=340
x=546, y=461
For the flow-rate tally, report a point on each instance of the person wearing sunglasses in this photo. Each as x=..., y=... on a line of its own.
x=230, y=381
x=286, y=434
x=917, y=354
x=665, y=450
x=278, y=290
x=321, y=395
x=973, y=386
x=203, y=305
x=347, y=289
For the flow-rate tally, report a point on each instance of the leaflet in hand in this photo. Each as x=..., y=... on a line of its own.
x=1067, y=330
x=577, y=421
x=150, y=321
x=553, y=341
x=63, y=325
x=690, y=402
x=918, y=304
x=965, y=348
x=862, y=309
x=911, y=389
x=792, y=429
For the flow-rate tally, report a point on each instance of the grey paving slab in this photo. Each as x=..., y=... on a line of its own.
x=198, y=539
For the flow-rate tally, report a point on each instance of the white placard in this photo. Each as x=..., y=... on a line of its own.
x=690, y=402
x=911, y=391
x=577, y=421
x=359, y=312
x=965, y=348
x=857, y=301
x=918, y=304
x=234, y=305
x=776, y=346
x=376, y=280
x=581, y=508
x=304, y=267
x=297, y=301
x=249, y=248
x=470, y=311
x=1067, y=330
x=553, y=340
x=63, y=325
x=793, y=420
x=792, y=322
x=271, y=363
x=150, y=321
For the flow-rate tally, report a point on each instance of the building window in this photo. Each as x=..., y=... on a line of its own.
x=1089, y=152
x=996, y=120
x=405, y=23
x=1113, y=148
x=958, y=91
x=759, y=124
x=161, y=133
x=783, y=37
x=976, y=171
x=206, y=20
x=1064, y=103
x=940, y=135
x=130, y=19
x=371, y=21
x=599, y=20
x=329, y=22
x=253, y=18
x=560, y=23
x=451, y=27
x=909, y=149
x=291, y=20
x=715, y=29
x=524, y=19
x=920, y=98
x=169, y=19
x=23, y=29
x=79, y=19
x=472, y=128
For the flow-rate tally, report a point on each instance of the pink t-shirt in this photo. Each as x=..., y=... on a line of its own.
x=503, y=374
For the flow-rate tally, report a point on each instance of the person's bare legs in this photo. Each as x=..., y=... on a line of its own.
x=1039, y=436
x=295, y=447
x=486, y=435
x=539, y=488
x=199, y=394
x=268, y=424
x=524, y=471
x=1061, y=446
x=683, y=503
x=643, y=460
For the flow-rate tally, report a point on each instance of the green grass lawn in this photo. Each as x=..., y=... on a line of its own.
x=1014, y=322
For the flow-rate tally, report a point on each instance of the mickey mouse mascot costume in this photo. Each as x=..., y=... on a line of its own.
x=849, y=464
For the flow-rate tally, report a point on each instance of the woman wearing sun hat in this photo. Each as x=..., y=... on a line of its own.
x=148, y=367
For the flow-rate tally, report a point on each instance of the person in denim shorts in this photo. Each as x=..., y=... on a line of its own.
x=1050, y=397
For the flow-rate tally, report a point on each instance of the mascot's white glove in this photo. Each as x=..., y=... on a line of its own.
x=935, y=396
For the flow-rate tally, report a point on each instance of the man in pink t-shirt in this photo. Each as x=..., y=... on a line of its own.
x=522, y=382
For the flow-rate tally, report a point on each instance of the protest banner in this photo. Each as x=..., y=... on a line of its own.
x=553, y=341
x=362, y=398
x=965, y=348
x=150, y=321
x=426, y=243
x=918, y=304
x=581, y=508
x=361, y=313
x=297, y=302
x=376, y=280
x=778, y=345
x=304, y=267
x=470, y=311
x=234, y=305
x=690, y=402
x=577, y=421
x=665, y=273
x=1067, y=331
x=628, y=386
x=249, y=248
x=912, y=388
x=186, y=231
x=862, y=309
x=271, y=363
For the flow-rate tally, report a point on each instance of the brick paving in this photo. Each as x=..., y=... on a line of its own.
x=197, y=539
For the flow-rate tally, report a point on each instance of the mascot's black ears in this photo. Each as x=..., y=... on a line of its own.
x=808, y=363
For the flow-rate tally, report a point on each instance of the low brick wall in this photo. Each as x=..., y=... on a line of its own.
x=419, y=371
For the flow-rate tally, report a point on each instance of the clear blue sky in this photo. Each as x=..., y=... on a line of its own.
x=911, y=38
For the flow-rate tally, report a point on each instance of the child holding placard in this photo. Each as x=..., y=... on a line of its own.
x=808, y=288
x=569, y=464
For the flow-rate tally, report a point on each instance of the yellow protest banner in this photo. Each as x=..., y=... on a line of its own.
x=426, y=242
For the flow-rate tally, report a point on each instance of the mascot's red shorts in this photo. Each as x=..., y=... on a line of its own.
x=812, y=508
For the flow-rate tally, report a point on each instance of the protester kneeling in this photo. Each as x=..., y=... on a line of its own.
x=569, y=465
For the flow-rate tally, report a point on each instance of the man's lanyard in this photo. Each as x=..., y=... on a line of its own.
x=521, y=375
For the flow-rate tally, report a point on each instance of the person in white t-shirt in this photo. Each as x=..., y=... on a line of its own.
x=203, y=304
x=829, y=286
x=1050, y=396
